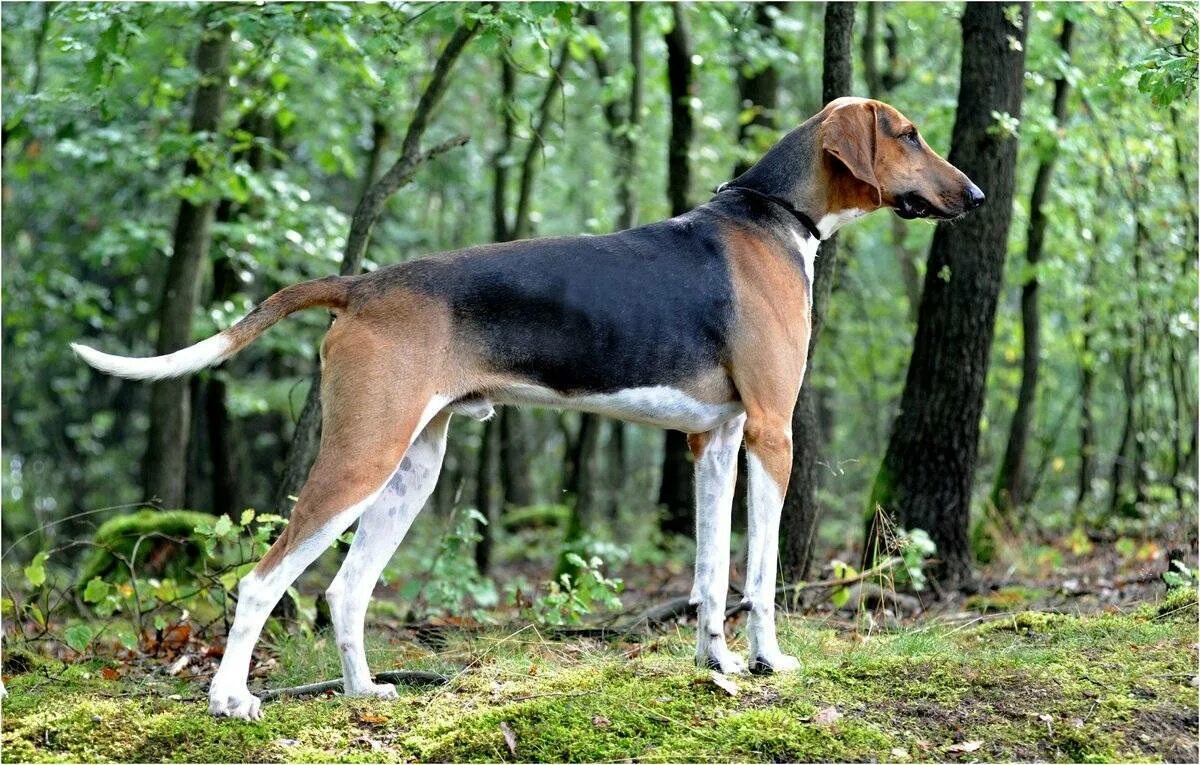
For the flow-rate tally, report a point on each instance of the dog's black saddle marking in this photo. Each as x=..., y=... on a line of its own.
x=592, y=314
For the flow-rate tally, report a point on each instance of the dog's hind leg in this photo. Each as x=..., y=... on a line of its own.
x=716, y=455
x=369, y=422
x=380, y=530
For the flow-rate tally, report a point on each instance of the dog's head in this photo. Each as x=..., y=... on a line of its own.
x=876, y=158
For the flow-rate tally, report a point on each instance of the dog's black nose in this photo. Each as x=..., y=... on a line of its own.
x=975, y=196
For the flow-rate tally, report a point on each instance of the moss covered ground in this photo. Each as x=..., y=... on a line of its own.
x=1029, y=686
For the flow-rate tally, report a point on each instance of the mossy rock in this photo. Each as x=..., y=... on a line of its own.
x=536, y=517
x=170, y=546
x=1025, y=622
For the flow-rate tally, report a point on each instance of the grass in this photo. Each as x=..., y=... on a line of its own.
x=1026, y=686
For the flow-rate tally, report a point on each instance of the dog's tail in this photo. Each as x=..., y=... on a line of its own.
x=331, y=291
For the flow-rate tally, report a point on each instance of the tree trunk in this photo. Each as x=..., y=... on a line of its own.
x=801, y=512
x=627, y=203
x=1087, y=384
x=676, y=491
x=220, y=426
x=1011, y=491
x=879, y=85
x=487, y=495
x=221, y=440
x=305, y=440
x=170, y=400
x=515, y=457
x=928, y=470
x=621, y=124
x=759, y=90
x=522, y=227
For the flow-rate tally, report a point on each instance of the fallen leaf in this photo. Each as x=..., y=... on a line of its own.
x=369, y=718
x=827, y=716
x=724, y=683
x=108, y=673
x=533, y=669
x=510, y=738
x=966, y=746
x=600, y=721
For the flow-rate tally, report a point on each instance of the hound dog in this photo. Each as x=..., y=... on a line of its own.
x=698, y=323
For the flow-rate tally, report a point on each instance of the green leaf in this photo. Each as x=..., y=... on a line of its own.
x=247, y=517
x=223, y=527
x=35, y=572
x=97, y=590
x=79, y=636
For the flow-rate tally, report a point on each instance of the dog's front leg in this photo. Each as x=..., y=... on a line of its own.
x=769, y=460
x=716, y=471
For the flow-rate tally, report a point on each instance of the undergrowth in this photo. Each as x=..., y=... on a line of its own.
x=1027, y=686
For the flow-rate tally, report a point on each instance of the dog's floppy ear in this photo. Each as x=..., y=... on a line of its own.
x=849, y=134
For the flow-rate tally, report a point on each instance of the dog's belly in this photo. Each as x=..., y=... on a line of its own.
x=660, y=405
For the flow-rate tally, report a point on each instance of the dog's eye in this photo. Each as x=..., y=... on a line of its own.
x=911, y=137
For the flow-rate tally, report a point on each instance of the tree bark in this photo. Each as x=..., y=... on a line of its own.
x=801, y=513
x=879, y=84
x=170, y=400
x=305, y=440
x=1011, y=491
x=928, y=470
x=676, y=490
x=1087, y=384
x=487, y=494
x=758, y=90
x=223, y=441
x=219, y=424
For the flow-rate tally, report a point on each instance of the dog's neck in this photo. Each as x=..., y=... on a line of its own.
x=796, y=171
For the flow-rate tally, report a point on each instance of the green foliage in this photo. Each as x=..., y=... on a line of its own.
x=453, y=584
x=1168, y=73
x=574, y=595
x=915, y=548
x=1181, y=576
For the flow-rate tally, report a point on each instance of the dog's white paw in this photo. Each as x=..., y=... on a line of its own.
x=722, y=660
x=777, y=662
x=376, y=690
x=238, y=703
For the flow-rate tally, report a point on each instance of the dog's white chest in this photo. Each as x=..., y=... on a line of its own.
x=659, y=405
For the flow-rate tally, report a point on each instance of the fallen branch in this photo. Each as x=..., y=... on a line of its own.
x=402, y=678
x=676, y=607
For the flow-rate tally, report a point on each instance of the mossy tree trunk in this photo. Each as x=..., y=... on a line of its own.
x=928, y=470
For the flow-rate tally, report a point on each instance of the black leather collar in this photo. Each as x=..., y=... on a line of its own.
x=804, y=219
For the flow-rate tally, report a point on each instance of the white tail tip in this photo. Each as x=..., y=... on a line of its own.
x=191, y=359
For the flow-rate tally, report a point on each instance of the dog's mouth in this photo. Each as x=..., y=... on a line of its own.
x=913, y=205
